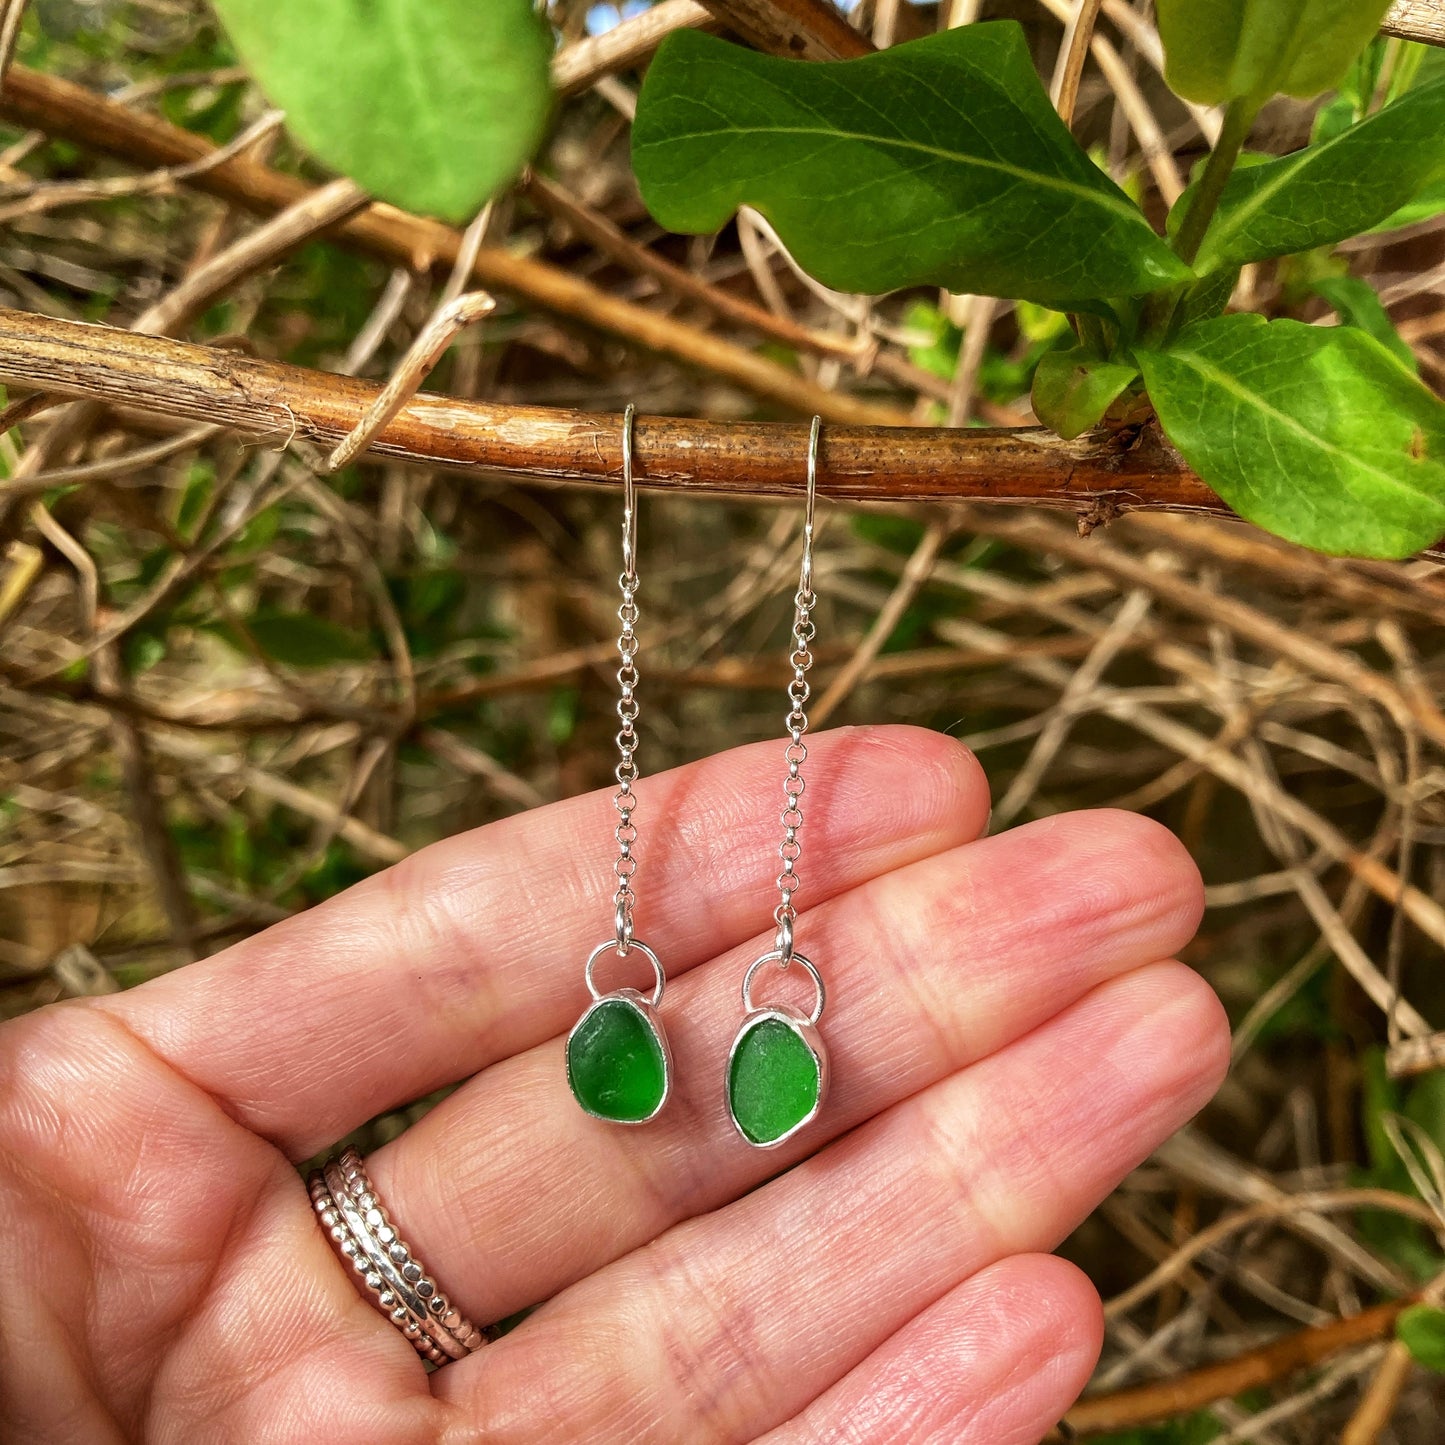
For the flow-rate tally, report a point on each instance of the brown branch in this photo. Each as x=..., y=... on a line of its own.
x=269, y=400
x=1305, y=651
x=147, y=812
x=594, y=228
x=804, y=29
x=1415, y=1056
x=814, y=30
x=12, y=12
x=1377, y=1407
x=1196, y=1390
x=71, y=112
x=583, y=63
x=1078, y=30
x=1422, y=20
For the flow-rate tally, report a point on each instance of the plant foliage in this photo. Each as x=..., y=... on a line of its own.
x=941, y=162
x=433, y=106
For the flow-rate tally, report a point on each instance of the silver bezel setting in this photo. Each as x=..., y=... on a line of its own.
x=806, y=1030
x=648, y=1010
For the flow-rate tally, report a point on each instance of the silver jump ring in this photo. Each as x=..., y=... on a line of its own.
x=344, y=1200
x=775, y=956
x=784, y=945
x=611, y=947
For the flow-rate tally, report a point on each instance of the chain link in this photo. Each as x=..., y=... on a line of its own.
x=796, y=722
x=626, y=772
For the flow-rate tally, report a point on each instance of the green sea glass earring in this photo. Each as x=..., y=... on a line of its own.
x=777, y=1076
x=619, y=1066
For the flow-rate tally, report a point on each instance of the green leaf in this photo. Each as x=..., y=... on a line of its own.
x=939, y=162
x=1421, y=1329
x=1039, y=323
x=563, y=708
x=1219, y=50
x=1428, y=203
x=1327, y=192
x=434, y=107
x=1072, y=390
x=1315, y=433
x=1357, y=303
x=301, y=639
x=1208, y=297
x=143, y=649
x=933, y=340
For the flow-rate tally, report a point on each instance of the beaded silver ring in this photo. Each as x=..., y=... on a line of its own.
x=356, y=1222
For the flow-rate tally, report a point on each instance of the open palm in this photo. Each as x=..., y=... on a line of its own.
x=1005, y=1046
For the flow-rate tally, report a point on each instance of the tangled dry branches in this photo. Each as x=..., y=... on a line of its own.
x=232, y=682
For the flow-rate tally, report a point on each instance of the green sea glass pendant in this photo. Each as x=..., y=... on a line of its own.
x=777, y=1074
x=619, y=1066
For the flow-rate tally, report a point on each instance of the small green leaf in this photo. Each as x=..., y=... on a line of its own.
x=1208, y=297
x=1219, y=50
x=563, y=708
x=143, y=649
x=1357, y=303
x=1326, y=192
x=1315, y=433
x=939, y=162
x=195, y=498
x=300, y=639
x=1040, y=323
x=1073, y=390
x=434, y=107
x=1421, y=1329
x=933, y=340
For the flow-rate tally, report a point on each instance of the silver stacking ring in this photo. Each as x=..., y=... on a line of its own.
x=394, y=1280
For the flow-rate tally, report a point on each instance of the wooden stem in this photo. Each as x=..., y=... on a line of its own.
x=71, y=112
x=800, y=29
x=1184, y=1394
x=274, y=402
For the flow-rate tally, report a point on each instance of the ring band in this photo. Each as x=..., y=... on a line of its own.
x=353, y=1217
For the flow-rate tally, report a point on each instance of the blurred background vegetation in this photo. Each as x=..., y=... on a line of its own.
x=229, y=686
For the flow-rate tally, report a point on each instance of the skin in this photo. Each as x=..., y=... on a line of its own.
x=1007, y=1037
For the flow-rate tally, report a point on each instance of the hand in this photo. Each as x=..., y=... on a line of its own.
x=1005, y=1047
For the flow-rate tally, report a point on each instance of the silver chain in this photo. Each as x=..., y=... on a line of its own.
x=796, y=722
x=626, y=773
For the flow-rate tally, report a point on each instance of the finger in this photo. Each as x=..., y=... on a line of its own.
x=731, y=1323
x=512, y=1191
x=473, y=948
x=165, y=1279
x=995, y=1362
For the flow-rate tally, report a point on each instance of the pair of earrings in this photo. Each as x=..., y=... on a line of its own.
x=619, y=1065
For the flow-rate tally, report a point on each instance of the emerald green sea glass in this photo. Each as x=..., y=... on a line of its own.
x=616, y=1063
x=775, y=1080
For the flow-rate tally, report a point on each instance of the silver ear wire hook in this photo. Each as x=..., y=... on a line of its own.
x=805, y=581
x=629, y=499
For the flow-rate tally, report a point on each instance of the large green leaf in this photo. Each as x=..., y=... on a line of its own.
x=1326, y=192
x=939, y=162
x=1218, y=50
x=1315, y=433
x=433, y=105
